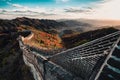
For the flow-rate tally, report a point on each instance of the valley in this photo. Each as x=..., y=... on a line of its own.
x=49, y=36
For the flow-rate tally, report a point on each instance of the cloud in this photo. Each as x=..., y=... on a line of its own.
x=17, y=6
x=47, y=14
x=30, y=12
x=3, y=10
x=108, y=9
x=64, y=0
x=77, y=10
x=105, y=9
x=58, y=1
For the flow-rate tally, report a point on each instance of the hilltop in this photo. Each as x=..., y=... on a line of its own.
x=49, y=35
x=73, y=40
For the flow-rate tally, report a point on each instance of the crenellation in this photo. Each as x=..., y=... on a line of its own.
x=80, y=63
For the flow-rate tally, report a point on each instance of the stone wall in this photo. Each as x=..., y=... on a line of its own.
x=42, y=68
x=81, y=61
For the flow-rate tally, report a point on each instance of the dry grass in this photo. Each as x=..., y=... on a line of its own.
x=43, y=40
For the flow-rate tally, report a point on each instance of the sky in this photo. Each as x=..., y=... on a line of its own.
x=60, y=9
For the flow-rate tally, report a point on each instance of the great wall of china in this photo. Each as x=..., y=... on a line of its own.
x=85, y=62
x=41, y=68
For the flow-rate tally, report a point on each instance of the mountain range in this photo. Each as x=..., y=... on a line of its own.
x=48, y=35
